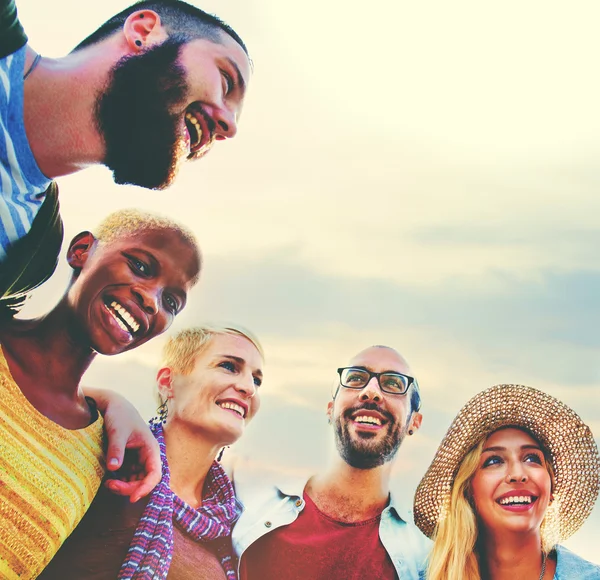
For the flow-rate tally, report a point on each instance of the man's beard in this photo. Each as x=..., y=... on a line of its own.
x=134, y=114
x=363, y=451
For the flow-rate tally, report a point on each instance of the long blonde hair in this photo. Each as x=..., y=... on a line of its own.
x=454, y=555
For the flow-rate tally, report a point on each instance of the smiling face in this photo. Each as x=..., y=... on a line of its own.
x=221, y=394
x=370, y=424
x=168, y=103
x=511, y=488
x=217, y=75
x=129, y=290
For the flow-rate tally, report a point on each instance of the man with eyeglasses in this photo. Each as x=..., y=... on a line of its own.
x=342, y=522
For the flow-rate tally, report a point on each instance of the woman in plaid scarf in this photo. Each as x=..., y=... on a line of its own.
x=208, y=386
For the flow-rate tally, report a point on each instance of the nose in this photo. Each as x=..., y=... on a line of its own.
x=226, y=124
x=371, y=391
x=516, y=474
x=147, y=297
x=246, y=387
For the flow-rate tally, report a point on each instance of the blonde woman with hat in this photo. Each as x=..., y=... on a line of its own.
x=517, y=473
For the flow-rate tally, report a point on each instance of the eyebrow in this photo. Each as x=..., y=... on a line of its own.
x=523, y=447
x=362, y=368
x=240, y=79
x=240, y=360
x=158, y=266
x=148, y=254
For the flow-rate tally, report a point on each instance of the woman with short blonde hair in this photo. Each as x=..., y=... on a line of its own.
x=208, y=386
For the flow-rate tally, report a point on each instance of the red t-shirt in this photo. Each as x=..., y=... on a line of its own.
x=317, y=547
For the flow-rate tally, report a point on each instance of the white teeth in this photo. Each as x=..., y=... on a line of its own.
x=367, y=419
x=516, y=499
x=192, y=119
x=125, y=320
x=233, y=406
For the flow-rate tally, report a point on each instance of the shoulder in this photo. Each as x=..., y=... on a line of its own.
x=571, y=566
x=404, y=538
x=268, y=503
x=253, y=486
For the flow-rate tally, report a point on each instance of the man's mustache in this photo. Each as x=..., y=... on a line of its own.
x=368, y=406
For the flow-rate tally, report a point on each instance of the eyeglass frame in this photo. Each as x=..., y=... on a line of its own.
x=411, y=380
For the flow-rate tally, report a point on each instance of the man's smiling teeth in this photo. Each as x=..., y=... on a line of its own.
x=515, y=499
x=124, y=319
x=233, y=406
x=367, y=419
x=192, y=119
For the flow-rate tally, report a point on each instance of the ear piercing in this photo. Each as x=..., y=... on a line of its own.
x=410, y=431
x=138, y=42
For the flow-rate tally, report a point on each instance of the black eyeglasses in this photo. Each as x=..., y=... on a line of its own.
x=391, y=383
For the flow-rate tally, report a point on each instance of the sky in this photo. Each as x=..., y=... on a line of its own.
x=421, y=175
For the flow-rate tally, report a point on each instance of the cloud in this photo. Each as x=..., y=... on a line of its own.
x=537, y=322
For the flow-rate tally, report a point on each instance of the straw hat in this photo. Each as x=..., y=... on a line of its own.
x=567, y=439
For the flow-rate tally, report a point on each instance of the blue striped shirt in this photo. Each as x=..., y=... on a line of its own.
x=22, y=184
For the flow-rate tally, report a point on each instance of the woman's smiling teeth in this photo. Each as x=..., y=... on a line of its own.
x=233, y=407
x=515, y=499
x=124, y=318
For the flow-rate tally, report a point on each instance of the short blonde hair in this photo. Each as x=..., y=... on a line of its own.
x=181, y=350
x=130, y=222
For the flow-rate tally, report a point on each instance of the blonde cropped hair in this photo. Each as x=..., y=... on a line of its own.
x=181, y=350
x=133, y=221
x=129, y=222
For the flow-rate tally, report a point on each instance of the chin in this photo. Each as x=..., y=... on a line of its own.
x=112, y=349
x=229, y=436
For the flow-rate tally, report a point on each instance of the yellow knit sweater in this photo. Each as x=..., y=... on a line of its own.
x=48, y=478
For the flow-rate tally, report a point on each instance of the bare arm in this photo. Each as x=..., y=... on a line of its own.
x=126, y=430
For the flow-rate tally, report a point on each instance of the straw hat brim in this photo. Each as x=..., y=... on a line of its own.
x=567, y=439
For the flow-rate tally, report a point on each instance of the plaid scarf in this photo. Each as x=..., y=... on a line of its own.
x=151, y=549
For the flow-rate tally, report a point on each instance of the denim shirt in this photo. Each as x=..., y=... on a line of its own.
x=569, y=566
x=268, y=507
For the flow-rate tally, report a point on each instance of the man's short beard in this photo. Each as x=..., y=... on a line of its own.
x=365, y=453
x=134, y=115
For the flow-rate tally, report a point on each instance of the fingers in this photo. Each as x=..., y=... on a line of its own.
x=150, y=465
x=116, y=449
x=125, y=488
x=153, y=466
x=118, y=487
x=136, y=490
x=138, y=484
x=144, y=486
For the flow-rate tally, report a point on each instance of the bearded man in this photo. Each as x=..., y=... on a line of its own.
x=343, y=522
x=154, y=86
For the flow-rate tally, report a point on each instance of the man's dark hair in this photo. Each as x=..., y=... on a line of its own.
x=177, y=17
x=415, y=398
